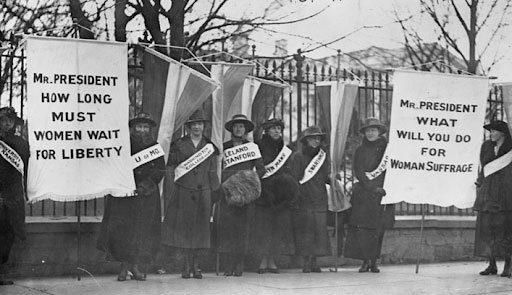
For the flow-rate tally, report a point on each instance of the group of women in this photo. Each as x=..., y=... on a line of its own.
x=270, y=201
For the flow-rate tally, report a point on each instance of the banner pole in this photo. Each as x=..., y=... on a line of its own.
x=79, y=238
x=217, y=260
x=421, y=238
x=336, y=244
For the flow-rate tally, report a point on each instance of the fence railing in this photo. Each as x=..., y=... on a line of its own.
x=299, y=109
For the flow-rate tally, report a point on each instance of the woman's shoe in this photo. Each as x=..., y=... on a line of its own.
x=374, y=269
x=365, y=267
x=197, y=274
x=506, y=273
x=121, y=277
x=261, y=271
x=185, y=275
x=228, y=273
x=139, y=277
x=272, y=270
x=490, y=270
x=237, y=273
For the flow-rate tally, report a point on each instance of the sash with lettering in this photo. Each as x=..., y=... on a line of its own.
x=11, y=156
x=314, y=166
x=381, y=168
x=149, y=154
x=498, y=164
x=274, y=166
x=241, y=153
x=193, y=161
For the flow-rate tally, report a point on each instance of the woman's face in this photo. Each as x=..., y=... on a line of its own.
x=274, y=132
x=496, y=135
x=314, y=141
x=238, y=130
x=196, y=128
x=371, y=133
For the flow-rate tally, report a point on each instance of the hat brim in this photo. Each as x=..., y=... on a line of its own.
x=499, y=127
x=135, y=121
x=266, y=126
x=249, y=126
x=321, y=134
x=382, y=129
x=17, y=120
x=198, y=120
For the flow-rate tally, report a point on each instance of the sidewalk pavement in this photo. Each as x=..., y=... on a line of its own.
x=445, y=278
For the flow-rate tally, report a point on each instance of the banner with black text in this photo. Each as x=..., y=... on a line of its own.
x=434, y=138
x=77, y=112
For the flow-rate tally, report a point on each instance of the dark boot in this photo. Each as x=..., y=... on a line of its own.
x=306, y=265
x=365, y=267
x=373, y=266
x=314, y=266
x=239, y=267
x=123, y=272
x=185, y=271
x=230, y=265
x=196, y=271
x=506, y=269
x=491, y=269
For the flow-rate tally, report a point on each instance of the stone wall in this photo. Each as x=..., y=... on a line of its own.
x=51, y=247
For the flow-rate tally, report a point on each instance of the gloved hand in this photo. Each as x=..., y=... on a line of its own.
x=379, y=191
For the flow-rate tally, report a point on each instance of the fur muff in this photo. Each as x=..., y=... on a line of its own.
x=242, y=188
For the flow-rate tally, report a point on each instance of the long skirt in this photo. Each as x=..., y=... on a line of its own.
x=363, y=243
x=271, y=232
x=130, y=229
x=6, y=235
x=311, y=237
x=187, y=219
x=493, y=235
x=232, y=228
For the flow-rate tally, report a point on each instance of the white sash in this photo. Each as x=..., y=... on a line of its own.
x=313, y=166
x=193, y=161
x=381, y=168
x=278, y=162
x=147, y=155
x=11, y=156
x=241, y=153
x=498, y=164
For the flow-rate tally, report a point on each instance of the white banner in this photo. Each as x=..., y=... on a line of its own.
x=77, y=110
x=434, y=138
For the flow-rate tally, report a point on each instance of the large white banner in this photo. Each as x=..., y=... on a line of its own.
x=77, y=111
x=434, y=138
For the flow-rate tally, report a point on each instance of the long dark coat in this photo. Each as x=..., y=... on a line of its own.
x=187, y=218
x=272, y=231
x=12, y=212
x=310, y=215
x=369, y=218
x=131, y=226
x=494, y=205
x=233, y=224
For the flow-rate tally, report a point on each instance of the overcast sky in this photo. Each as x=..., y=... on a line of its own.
x=341, y=17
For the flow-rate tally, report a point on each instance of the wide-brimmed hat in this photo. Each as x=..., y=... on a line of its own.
x=239, y=118
x=10, y=113
x=197, y=116
x=142, y=118
x=312, y=131
x=497, y=125
x=375, y=123
x=271, y=123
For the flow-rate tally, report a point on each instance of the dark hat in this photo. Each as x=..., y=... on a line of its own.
x=10, y=113
x=271, y=123
x=142, y=118
x=312, y=131
x=375, y=123
x=497, y=125
x=197, y=116
x=239, y=118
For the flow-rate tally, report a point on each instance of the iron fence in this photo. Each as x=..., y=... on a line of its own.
x=299, y=109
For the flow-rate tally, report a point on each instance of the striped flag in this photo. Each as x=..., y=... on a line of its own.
x=337, y=101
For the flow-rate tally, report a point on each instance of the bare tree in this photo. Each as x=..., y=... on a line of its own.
x=469, y=28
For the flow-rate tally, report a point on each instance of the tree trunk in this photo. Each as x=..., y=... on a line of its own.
x=177, y=23
x=120, y=20
x=472, y=62
x=79, y=18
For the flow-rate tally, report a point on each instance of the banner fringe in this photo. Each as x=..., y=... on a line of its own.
x=121, y=193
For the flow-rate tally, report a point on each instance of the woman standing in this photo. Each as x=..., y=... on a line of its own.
x=369, y=218
x=309, y=166
x=186, y=226
x=272, y=232
x=130, y=229
x=493, y=237
x=233, y=219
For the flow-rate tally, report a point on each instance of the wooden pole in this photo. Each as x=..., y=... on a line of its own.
x=79, y=239
x=421, y=238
